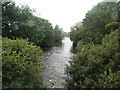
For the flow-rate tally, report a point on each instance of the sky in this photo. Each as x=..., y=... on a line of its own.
x=64, y=13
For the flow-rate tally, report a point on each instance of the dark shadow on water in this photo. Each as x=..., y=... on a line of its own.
x=57, y=44
x=71, y=49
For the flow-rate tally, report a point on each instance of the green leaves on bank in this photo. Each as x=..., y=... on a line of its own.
x=96, y=66
x=20, y=64
x=23, y=34
x=96, y=63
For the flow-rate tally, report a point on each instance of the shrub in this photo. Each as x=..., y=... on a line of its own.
x=20, y=64
x=96, y=66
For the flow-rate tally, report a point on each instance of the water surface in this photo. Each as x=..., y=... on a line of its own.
x=54, y=63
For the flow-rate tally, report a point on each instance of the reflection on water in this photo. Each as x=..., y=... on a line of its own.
x=54, y=62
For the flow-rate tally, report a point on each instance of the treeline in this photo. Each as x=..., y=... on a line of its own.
x=96, y=63
x=20, y=22
x=23, y=34
x=66, y=34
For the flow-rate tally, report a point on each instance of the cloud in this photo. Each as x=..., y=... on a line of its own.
x=65, y=13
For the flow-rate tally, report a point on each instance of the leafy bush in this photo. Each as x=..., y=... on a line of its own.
x=20, y=64
x=96, y=66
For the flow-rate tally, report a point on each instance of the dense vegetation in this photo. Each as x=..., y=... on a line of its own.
x=21, y=64
x=23, y=34
x=95, y=40
x=96, y=62
x=101, y=20
x=66, y=34
x=19, y=22
x=58, y=33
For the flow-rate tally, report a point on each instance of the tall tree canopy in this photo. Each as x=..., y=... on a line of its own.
x=20, y=22
x=93, y=27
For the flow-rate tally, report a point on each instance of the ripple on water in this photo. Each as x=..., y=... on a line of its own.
x=54, y=63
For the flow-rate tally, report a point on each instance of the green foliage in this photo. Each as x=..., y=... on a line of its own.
x=96, y=23
x=9, y=18
x=96, y=63
x=58, y=33
x=96, y=66
x=20, y=64
x=112, y=26
x=66, y=34
x=48, y=40
x=20, y=22
x=118, y=8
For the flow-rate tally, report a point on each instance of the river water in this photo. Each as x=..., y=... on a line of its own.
x=54, y=62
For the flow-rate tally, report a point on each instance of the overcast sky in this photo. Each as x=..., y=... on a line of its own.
x=65, y=13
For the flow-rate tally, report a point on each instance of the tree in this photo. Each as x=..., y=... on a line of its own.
x=96, y=63
x=48, y=40
x=92, y=28
x=58, y=33
x=19, y=22
x=96, y=66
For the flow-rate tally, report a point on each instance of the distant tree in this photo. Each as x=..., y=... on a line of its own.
x=58, y=33
x=66, y=34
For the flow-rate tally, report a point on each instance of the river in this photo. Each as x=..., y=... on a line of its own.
x=54, y=62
